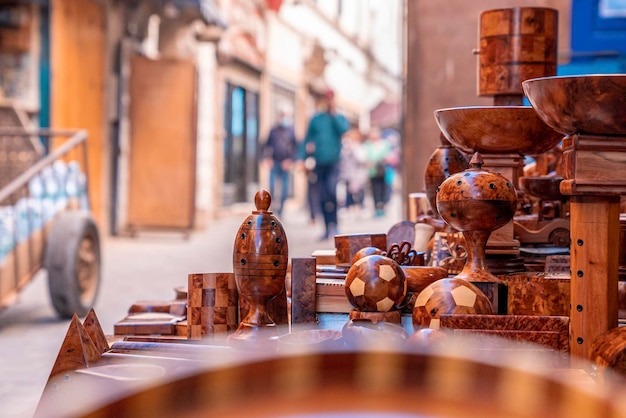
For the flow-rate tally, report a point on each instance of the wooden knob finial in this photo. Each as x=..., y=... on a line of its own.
x=476, y=161
x=262, y=200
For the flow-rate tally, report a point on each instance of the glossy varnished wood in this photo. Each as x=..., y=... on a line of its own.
x=516, y=44
x=587, y=104
x=496, y=129
x=260, y=258
x=476, y=202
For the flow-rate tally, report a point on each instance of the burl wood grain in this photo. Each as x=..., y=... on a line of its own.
x=516, y=44
x=444, y=161
x=550, y=331
x=608, y=350
x=260, y=258
x=497, y=129
x=585, y=104
x=303, y=290
x=476, y=202
x=536, y=294
x=347, y=245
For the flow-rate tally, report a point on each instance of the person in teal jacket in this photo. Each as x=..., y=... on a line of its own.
x=323, y=143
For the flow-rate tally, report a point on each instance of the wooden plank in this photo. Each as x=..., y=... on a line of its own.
x=594, y=264
x=162, y=143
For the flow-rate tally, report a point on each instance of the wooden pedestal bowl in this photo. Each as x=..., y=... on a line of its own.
x=585, y=104
x=496, y=129
x=542, y=187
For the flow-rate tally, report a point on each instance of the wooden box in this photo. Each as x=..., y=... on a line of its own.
x=537, y=294
x=347, y=246
x=547, y=331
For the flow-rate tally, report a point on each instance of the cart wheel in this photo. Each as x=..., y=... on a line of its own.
x=559, y=237
x=72, y=259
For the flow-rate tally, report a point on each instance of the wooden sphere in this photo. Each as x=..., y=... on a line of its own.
x=448, y=296
x=375, y=283
x=365, y=251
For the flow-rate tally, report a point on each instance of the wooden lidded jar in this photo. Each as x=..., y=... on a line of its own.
x=516, y=44
x=476, y=202
x=260, y=258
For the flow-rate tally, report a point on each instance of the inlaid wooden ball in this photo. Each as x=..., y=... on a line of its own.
x=365, y=251
x=375, y=283
x=448, y=296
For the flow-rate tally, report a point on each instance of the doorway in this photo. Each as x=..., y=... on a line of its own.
x=241, y=145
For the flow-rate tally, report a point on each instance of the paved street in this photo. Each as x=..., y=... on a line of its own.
x=147, y=267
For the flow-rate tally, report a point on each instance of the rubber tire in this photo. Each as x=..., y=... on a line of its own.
x=63, y=253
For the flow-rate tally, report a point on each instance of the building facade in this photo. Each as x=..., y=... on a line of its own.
x=178, y=96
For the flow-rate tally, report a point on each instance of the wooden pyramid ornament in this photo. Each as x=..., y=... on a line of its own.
x=93, y=328
x=77, y=351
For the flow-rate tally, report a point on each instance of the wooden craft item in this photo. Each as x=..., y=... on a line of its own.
x=449, y=251
x=303, y=289
x=260, y=258
x=418, y=277
x=608, y=350
x=325, y=257
x=393, y=317
x=212, y=304
x=448, y=296
x=77, y=350
x=476, y=202
x=557, y=266
x=400, y=232
x=331, y=297
x=537, y=294
x=550, y=331
x=497, y=293
x=405, y=255
x=587, y=105
x=587, y=110
x=497, y=130
x=419, y=206
x=444, y=161
x=375, y=283
x=93, y=328
x=516, y=44
x=347, y=245
x=147, y=323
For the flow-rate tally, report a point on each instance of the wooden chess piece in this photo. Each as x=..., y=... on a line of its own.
x=260, y=259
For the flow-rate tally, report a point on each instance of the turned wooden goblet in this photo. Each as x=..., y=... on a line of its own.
x=476, y=202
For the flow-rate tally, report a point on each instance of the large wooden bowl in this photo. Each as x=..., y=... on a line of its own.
x=587, y=104
x=496, y=129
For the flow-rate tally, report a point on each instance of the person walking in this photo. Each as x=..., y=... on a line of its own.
x=377, y=152
x=279, y=153
x=353, y=171
x=323, y=141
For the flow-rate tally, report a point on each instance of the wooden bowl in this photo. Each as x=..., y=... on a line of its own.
x=542, y=187
x=586, y=104
x=496, y=129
